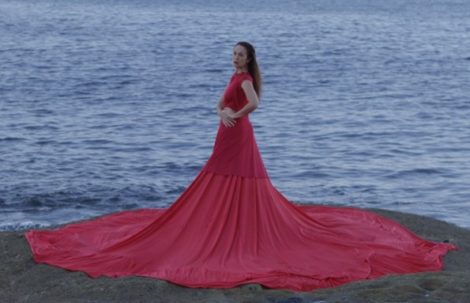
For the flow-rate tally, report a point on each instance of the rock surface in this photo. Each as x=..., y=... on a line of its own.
x=22, y=280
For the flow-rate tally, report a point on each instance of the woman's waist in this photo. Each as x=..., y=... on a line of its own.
x=234, y=109
x=246, y=117
x=241, y=120
x=241, y=124
x=235, y=105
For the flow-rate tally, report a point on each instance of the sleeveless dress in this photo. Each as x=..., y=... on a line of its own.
x=231, y=226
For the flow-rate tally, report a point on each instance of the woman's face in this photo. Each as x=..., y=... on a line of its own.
x=240, y=57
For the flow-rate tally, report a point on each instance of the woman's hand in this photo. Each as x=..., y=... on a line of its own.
x=227, y=117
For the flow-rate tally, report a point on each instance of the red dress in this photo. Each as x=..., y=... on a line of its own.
x=231, y=226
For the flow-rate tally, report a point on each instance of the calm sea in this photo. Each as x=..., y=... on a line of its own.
x=110, y=105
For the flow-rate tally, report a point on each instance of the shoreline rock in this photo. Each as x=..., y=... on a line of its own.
x=22, y=280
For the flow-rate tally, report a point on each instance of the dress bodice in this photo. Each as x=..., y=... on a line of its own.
x=234, y=96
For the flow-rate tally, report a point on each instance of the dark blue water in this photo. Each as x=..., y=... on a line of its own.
x=110, y=105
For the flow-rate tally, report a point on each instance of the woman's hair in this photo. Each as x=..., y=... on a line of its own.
x=253, y=67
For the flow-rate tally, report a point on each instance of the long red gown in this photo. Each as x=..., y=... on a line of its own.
x=231, y=226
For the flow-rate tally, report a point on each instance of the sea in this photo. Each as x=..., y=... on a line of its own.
x=109, y=105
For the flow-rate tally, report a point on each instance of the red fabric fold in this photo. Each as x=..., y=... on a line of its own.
x=225, y=231
x=231, y=226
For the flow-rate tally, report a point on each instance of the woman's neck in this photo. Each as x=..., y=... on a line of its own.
x=241, y=70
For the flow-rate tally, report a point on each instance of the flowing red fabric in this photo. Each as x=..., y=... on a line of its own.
x=231, y=226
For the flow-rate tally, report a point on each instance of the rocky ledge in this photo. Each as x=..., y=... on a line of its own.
x=22, y=280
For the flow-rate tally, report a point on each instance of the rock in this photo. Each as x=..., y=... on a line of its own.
x=22, y=280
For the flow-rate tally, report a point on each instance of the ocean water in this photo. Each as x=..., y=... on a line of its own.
x=110, y=105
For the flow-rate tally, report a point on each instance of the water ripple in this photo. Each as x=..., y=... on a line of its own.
x=105, y=108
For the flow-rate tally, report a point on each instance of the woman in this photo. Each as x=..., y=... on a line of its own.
x=244, y=61
x=235, y=151
x=231, y=226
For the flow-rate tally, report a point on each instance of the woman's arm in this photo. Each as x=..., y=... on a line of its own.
x=252, y=97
